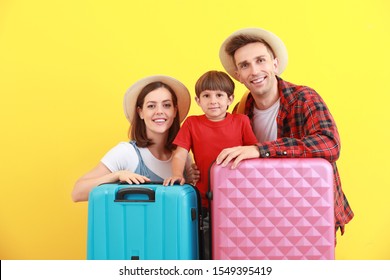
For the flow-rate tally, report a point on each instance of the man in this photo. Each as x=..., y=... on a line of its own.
x=288, y=120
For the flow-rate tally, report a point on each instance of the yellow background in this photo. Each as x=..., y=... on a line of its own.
x=65, y=65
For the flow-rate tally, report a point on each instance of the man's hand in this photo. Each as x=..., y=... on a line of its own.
x=237, y=154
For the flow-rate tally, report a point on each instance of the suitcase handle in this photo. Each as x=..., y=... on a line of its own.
x=120, y=195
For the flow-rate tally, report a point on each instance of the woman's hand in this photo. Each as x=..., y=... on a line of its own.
x=125, y=176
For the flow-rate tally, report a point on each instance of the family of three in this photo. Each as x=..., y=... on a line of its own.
x=274, y=119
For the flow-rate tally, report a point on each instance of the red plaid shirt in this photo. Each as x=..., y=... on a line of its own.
x=306, y=129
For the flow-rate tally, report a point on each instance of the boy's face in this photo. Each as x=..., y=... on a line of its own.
x=214, y=104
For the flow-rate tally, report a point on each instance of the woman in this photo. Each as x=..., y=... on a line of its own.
x=155, y=106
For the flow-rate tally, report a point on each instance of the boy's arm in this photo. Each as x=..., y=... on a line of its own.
x=191, y=170
x=179, y=159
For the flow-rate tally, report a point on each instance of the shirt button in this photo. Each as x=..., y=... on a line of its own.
x=284, y=152
x=267, y=154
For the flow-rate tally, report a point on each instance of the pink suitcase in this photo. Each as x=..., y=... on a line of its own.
x=272, y=209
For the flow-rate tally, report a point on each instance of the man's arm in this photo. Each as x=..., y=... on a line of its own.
x=307, y=131
x=316, y=136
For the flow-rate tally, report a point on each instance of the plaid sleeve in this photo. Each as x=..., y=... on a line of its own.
x=306, y=129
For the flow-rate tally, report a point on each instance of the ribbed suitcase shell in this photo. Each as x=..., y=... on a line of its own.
x=273, y=209
x=138, y=228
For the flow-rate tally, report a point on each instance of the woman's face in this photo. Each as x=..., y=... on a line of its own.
x=158, y=111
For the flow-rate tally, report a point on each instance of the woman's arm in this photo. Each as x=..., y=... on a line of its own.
x=101, y=175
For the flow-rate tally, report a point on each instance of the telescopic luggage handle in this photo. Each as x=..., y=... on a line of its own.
x=121, y=194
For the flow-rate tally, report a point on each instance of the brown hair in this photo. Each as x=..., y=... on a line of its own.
x=137, y=131
x=214, y=80
x=242, y=40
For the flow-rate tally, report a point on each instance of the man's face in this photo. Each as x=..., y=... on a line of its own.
x=256, y=68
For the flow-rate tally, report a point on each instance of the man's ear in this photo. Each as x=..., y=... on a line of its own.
x=276, y=65
x=238, y=77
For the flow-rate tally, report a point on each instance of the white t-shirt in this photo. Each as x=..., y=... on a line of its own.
x=124, y=157
x=264, y=123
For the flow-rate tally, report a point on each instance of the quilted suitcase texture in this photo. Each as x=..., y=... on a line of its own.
x=272, y=209
x=146, y=222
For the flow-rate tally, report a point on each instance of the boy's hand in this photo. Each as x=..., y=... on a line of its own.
x=193, y=174
x=174, y=179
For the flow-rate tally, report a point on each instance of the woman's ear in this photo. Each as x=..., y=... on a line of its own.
x=140, y=113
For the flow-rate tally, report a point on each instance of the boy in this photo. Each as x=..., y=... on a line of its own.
x=207, y=135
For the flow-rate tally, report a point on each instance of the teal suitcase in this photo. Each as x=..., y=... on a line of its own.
x=145, y=222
